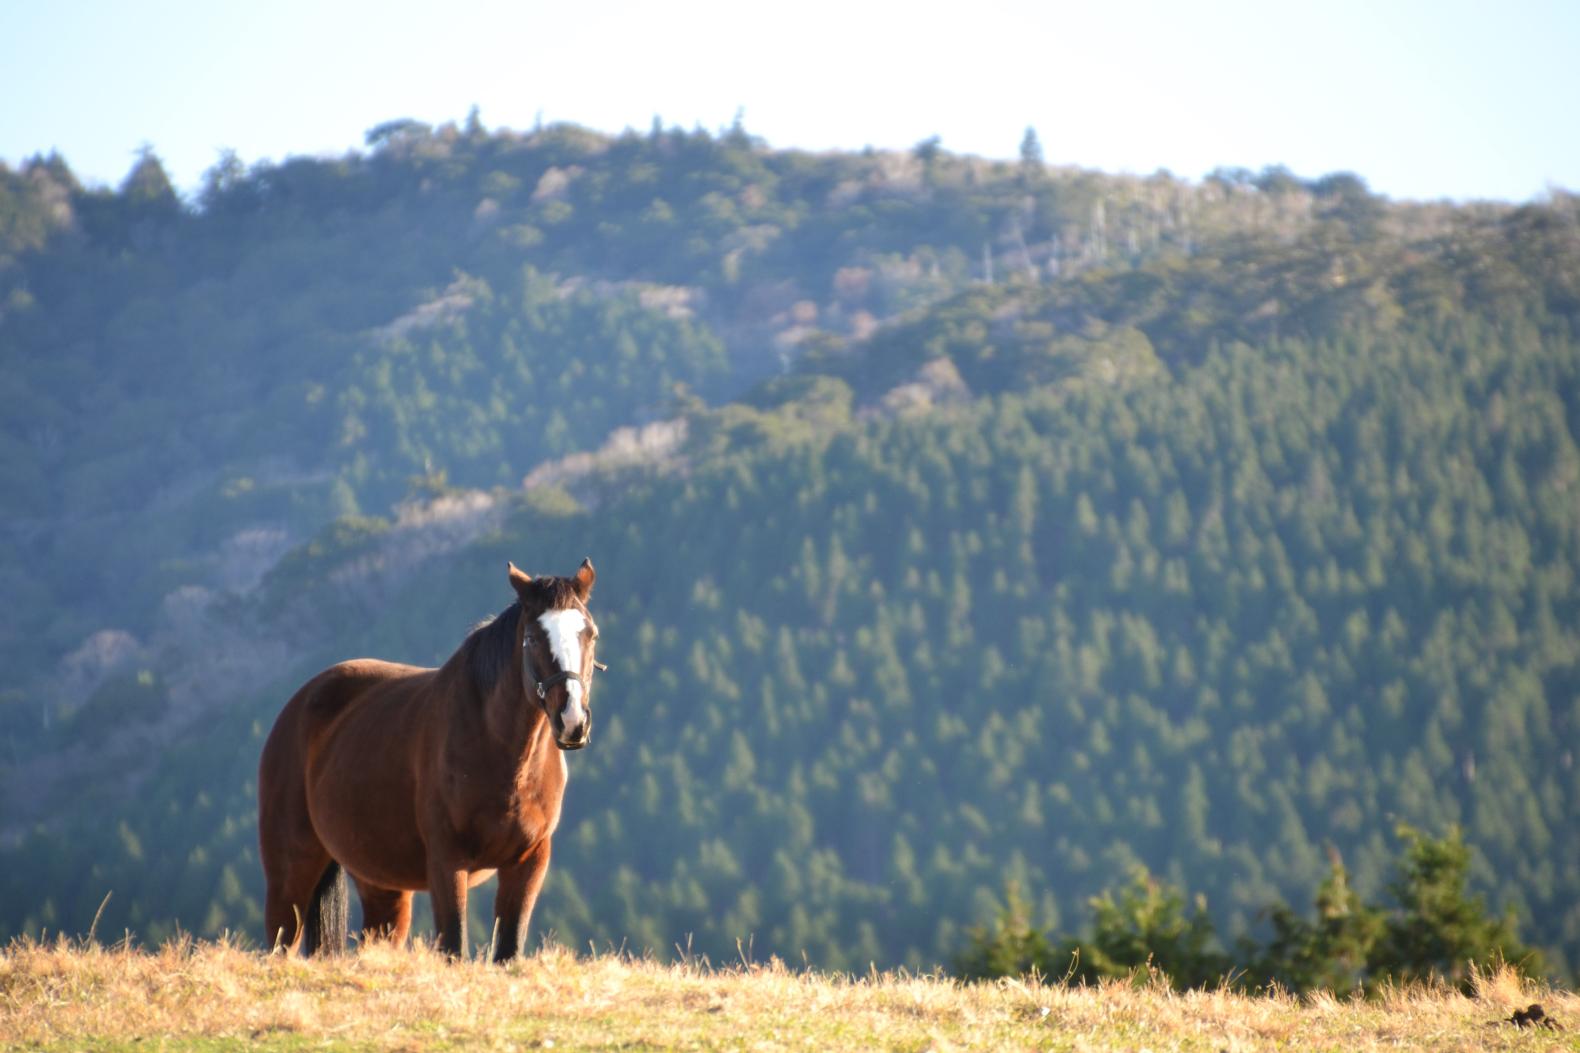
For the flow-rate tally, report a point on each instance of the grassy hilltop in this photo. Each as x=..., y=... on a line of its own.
x=199, y=995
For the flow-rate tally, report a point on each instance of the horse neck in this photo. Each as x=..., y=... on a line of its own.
x=514, y=722
x=516, y=726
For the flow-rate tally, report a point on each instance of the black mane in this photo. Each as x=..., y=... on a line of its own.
x=491, y=648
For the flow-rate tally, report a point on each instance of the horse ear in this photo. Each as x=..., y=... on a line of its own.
x=585, y=576
x=519, y=579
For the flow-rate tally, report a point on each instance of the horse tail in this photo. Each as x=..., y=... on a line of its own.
x=324, y=928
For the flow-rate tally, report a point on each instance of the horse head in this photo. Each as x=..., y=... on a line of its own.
x=558, y=640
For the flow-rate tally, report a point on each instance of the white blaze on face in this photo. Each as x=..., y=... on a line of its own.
x=564, y=632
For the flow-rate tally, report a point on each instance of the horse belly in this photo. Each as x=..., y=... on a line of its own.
x=388, y=855
x=385, y=872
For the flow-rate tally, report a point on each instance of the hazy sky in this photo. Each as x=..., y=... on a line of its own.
x=1422, y=99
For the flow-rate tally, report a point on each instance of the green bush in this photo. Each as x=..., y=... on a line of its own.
x=1433, y=931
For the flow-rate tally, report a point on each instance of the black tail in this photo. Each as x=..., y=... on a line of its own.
x=324, y=928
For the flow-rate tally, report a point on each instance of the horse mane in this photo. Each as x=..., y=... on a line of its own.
x=489, y=650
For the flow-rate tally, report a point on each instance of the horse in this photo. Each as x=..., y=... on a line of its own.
x=415, y=779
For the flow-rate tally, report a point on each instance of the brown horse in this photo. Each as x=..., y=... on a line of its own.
x=421, y=779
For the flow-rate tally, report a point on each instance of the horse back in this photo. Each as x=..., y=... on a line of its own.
x=338, y=690
x=321, y=703
x=328, y=696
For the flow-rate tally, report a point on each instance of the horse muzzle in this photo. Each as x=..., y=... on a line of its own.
x=577, y=738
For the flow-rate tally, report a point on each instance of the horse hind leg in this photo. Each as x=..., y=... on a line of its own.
x=386, y=913
x=299, y=875
x=305, y=903
x=298, y=889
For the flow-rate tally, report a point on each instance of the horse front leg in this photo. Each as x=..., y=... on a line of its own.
x=447, y=892
x=518, y=893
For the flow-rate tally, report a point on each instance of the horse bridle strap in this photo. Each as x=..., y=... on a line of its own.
x=542, y=685
x=560, y=677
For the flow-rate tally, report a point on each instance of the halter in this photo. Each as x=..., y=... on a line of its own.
x=530, y=672
x=560, y=677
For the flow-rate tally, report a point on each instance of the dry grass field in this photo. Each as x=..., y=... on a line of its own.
x=205, y=996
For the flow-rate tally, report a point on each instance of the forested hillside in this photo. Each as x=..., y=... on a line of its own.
x=959, y=524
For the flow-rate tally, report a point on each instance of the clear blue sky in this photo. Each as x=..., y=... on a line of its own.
x=1422, y=99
